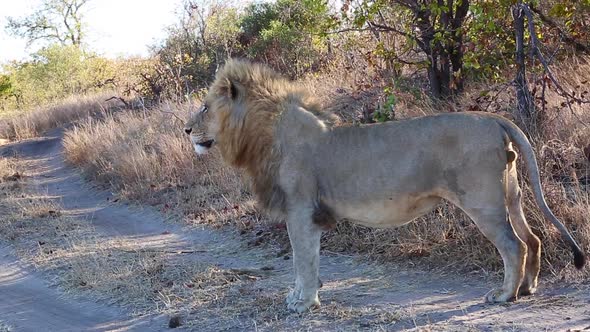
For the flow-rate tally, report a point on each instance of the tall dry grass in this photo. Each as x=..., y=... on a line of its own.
x=21, y=125
x=147, y=157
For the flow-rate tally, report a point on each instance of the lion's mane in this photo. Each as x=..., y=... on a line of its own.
x=250, y=99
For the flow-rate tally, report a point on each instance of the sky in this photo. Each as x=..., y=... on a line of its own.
x=114, y=27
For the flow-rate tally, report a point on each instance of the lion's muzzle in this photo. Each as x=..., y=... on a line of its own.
x=201, y=148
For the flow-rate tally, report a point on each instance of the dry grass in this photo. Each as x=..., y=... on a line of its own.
x=9, y=170
x=16, y=126
x=120, y=270
x=147, y=157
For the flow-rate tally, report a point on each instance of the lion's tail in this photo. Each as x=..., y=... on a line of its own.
x=524, y=146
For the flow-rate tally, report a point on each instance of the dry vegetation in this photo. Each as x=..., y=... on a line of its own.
x=146, y=157
x=81, y=261
x=32, y=123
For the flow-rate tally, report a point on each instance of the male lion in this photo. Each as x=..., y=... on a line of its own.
x=380, y=175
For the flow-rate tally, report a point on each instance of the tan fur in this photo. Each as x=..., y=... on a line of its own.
x=381, y=175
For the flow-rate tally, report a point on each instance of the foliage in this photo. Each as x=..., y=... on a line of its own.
x=201, y=41
x=445, y=41
x=54, y=73
x=288, y=34
x=386, y=110
x=5, y=86
x=434, y=28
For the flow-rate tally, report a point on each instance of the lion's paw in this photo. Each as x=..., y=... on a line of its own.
x=525, y=290
x=301, y=306
x=293, y=296
x=498, y=295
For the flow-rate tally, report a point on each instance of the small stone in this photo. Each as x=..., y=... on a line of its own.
x=175, y=322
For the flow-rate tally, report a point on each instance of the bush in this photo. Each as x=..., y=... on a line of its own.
x=54, y=73
x=289, y=35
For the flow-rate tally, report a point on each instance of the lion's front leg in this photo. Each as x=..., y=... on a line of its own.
x=305, y=241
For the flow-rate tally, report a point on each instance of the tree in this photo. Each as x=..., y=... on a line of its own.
x=53, y=73
x=201, y=40
x=55, y=21
x=287, y=34
x=526, y=106
x=434, y=26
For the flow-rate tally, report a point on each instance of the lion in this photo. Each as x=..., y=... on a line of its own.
x=378, y=175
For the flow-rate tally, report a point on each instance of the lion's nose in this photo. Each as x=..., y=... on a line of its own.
x=188, y=131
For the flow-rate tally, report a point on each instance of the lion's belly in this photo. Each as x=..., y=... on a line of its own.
x=384, y=213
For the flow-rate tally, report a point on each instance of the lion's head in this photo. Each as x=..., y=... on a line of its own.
x=239, y=111
x=196, y=127
x=239, y=115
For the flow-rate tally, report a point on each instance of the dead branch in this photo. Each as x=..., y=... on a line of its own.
x=173, y=114
x=564, y=35
x=120, y=99
x=162, y=251
x=536, y=51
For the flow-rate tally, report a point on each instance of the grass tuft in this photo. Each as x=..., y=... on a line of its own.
x=17, y=126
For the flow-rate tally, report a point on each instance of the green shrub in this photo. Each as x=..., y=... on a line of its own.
x=55, y=72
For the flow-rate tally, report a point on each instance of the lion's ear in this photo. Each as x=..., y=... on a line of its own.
x=233, y=90
x=229, y=89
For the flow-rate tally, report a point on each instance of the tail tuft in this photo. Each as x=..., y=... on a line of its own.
x=579, y=258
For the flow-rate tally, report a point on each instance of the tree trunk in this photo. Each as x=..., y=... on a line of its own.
x=525, y=106
x=434, y=78
x=456, y=49
x=445, y=56
x=444, y=50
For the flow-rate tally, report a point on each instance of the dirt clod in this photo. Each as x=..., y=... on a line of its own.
x=175, y=321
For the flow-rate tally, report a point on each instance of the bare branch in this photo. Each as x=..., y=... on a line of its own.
x=564, y=35
x=535, y=48
x=51, y=21
x=382, y=27
x=119, y=99
x=537, y=51
x=172, y=113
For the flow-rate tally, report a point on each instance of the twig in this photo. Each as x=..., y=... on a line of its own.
x=344, y=30
x=120, y=99
x=564, y=35
x=382, y=27
x=163, y=251
x=173, y=114
x=493, y=99
x=536, y=50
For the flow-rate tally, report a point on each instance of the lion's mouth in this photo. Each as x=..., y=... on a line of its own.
x=202, y=148
x=206, y=144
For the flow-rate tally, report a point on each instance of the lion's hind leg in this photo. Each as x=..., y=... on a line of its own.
x=488, y=210
x=533, y=258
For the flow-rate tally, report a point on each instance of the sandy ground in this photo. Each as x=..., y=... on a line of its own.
x=356, y=295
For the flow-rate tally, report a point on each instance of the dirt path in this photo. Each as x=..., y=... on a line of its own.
x=243, y=288
x=27, y=304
